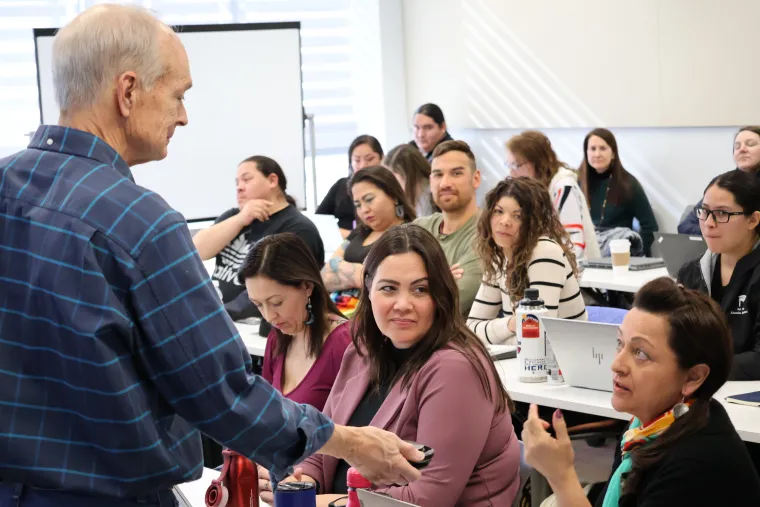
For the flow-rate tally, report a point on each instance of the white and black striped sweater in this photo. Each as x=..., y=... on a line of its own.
x=549, y=271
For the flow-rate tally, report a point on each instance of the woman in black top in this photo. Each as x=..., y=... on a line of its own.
x=380, y=204
x=364, y=151
x=674, y=353
x=729, y=271
x=614, y=195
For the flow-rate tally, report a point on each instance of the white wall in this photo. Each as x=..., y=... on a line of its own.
x=448, y=63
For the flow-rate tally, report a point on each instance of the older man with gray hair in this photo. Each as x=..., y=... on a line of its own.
x=115, y=351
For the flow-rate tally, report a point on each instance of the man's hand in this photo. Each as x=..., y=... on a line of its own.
x=256, y=209
x=378, y=455
x=265, y=484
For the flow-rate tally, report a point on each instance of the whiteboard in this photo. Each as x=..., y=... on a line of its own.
x=246, y=100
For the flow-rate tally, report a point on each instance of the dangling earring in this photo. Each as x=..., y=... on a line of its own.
x=399, y=210
x=310, y=315
x=680, y=409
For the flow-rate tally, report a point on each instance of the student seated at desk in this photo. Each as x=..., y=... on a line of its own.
x=746, y=158
x=380, y=204
x=531, y=154
x=615, y=196
x=729, y=271
x=415, y=369
x=674, y=353
x=365, y=151
x=522, y=245
x=309, y=335
x=264, y=208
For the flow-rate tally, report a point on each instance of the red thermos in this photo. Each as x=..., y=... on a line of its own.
x=237, y=485
x=354, y=481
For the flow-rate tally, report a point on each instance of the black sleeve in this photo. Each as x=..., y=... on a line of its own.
x=685, y=482
x=241, y=307
x=690, y=224
x=310, y=236
x=227, y=214
x=643, y=212
x=327, y=206
x=746, y=365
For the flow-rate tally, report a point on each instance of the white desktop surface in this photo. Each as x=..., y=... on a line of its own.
x=195, y=491
x=632, y=281
x=255, y=344
x=746, y=419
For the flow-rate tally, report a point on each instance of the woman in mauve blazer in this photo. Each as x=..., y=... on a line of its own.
x=431, y=379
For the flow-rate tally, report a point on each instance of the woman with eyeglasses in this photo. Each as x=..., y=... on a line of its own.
x=729, y=218
x=531, y=154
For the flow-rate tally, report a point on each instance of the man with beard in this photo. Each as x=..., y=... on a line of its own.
x=454, y=178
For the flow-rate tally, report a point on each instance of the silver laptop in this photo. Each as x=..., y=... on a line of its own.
x=370, y=499
x=584, y=351
x=677, y=249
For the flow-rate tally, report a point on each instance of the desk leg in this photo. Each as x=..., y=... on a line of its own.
x=539, y=489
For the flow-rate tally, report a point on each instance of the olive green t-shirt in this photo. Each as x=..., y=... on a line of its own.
x=459, y=248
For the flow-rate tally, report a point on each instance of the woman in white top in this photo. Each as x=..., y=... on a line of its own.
x=522, y=245
x=531, y=154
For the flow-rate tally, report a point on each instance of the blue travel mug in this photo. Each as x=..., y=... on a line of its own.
x=295, y=494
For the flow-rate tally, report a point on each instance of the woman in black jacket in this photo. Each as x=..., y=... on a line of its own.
x=729, y=272
x=674, y=353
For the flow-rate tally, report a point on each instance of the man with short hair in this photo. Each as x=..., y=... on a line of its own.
x=115, y=350
x=454, y=178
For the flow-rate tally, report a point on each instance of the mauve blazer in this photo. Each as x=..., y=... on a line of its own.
x=477, y=455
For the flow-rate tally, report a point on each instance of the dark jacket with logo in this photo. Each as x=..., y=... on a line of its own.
x=740, y=302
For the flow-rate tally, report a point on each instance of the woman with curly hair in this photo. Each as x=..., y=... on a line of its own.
x=522, y=245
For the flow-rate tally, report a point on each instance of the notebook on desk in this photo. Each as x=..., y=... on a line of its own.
x=499, y=352
x=750, y=399
x=370, y=499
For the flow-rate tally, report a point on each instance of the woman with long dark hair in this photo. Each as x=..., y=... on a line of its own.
x=522, y=245
x=414, y=369
x=364, y=151
x=729, y=271
x=615, y=196
x=429, y=129
x=674, y=353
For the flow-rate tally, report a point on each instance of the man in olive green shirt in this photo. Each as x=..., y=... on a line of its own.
x=454, y=178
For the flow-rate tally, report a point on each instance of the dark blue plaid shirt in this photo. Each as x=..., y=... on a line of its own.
x=114, y=346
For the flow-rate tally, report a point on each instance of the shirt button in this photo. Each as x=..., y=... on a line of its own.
x=49, y=142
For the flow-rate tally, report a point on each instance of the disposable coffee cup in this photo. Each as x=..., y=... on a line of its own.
x=620, y=250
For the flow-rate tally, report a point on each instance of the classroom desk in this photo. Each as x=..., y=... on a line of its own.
x=746, y=419
x=255, y=344
x=194, y=493
x=628, y=282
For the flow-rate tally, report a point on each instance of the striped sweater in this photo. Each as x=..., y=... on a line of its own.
x=549, y=271
x=572, y=208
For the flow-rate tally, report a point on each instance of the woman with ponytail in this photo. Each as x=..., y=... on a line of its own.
x=674, y=353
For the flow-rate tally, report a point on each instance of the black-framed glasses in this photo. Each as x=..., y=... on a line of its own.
x=719, y=215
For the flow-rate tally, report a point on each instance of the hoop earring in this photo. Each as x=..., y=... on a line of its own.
x=399, y=210
x=309, y=314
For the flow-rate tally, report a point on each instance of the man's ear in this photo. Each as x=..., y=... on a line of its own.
x=126, y=92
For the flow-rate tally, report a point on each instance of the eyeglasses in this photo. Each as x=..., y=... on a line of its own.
x=719, y=215
x=513, y=166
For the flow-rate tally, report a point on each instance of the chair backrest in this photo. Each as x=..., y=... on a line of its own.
x=525, y=470
x=605, y=315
